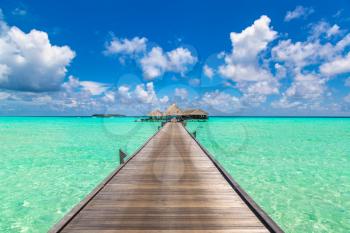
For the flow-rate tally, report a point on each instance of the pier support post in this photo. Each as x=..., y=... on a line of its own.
x=194, y=134
x=122, y=156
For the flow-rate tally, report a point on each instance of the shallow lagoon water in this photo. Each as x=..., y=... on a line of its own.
x=48, y=164
x=297, y=169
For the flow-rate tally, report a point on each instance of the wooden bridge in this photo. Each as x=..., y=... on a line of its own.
x=171, y=184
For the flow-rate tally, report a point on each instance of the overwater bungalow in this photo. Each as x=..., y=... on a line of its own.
x=173, y=111
x=195, y=114
x=156, y=115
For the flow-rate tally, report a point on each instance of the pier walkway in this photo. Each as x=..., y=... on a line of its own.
x=171, y=185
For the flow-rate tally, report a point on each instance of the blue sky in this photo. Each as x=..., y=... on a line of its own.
x=229, y=58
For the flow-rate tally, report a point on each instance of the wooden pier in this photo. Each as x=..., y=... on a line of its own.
x=171, y=184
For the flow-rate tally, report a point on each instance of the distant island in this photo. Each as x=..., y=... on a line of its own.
x=108, y=115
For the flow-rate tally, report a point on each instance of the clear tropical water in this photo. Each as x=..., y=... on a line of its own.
x=297, y=169
x=49, y=164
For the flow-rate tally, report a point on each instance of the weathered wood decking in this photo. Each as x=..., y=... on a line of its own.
x=171, y=184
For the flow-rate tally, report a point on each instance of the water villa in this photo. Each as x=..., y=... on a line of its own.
x=156, y=115
x=173, y=111
x=195, y=114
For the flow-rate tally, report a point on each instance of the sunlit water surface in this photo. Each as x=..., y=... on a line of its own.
x=49, y=164
x=297, y=169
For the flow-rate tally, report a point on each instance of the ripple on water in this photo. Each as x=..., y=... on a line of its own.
x=297, y=169
x=49, y=164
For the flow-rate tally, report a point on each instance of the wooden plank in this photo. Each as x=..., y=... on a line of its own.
x=71, y=214
x=169, y=185
x=257, y=210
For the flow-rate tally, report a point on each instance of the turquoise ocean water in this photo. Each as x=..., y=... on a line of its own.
x=297, y=169
x=49, y=164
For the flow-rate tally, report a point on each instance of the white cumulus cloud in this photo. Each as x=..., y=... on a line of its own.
x=242, y=65
x=74, y=96
x=310, y=64
x=29, y=62
x=146, y=93
x=208, y=71
x=157, y=62
x=308, y=86
x=323, y=28
x=220, y=102
x=252, y=40
x=142, y=98
x=95, y=88
x=305, y=90
x=337, y=66
x=126, y=46
x=154, y=61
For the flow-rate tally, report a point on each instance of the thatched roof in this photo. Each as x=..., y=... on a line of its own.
x=155, y=113
x=195, y=112
x=199, y=112
x=173, y=110
x=187, y=112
